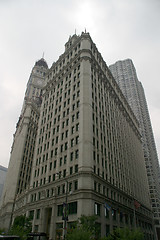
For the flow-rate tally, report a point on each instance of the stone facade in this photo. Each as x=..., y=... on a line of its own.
x=88, y=149
x=20, y=165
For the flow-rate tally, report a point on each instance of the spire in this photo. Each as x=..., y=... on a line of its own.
x=41, y=63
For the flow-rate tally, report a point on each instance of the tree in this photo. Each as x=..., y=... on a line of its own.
x=79, y=234
x=89, y=223
x=2, y=231
x=22, y=226
x=85, y=228
x=125, y=234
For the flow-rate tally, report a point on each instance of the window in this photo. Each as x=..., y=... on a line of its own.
x=56, y=149
x=72, y=142
x=54, y=176
x=99, y=187
x=70, y=186
x=48, y=193
x=74, y=96
x=63, y=188
x=61, y=148
x=71, y=170
x=72, y=208
x=55, y=164
x=97, y=209
x=78, y=103
x=60, y=210
x=72, y=130
x=31, y=214
x=75, y=185
x=66, y=145
x=121, y=217
x=77, y=115
x=57, y=139
x=67, y=122
x=76, y=168
x=58, y=190
x=106, y=212
x=60, y=161
x=39, y=195
x=49, y=179
x=51, y=153
x=77, y=139
x=77, y=127
x=66, y=133
x=71, y=156
x=44, y=180
x=73, y=118
x=65, y=159
x=114, y=214
x=62, y=136
x=77, y=154
x=64, y=173
x=94, y=155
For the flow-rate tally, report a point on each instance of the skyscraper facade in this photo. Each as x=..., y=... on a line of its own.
x=125, y=75
x=86, y=154
x=22, y=150
x=3, y=172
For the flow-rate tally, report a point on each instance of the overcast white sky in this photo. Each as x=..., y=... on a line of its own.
x=120, y=28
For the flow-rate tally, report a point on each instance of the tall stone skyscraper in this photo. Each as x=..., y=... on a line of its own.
x=125, y=75
x=22, y=150
x=79, y=151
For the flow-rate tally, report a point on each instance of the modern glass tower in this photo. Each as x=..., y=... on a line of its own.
x=125, y=75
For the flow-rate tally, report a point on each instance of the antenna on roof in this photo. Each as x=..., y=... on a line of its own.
x=85, y=30
x=75, y=31
x=43, y=55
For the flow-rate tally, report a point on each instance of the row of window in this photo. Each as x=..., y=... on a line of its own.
x=72, y=169
x=61, y=87
x=61, y=189
x=108, y=127
x=59, y=108
x=74, y=128
x=65, y=60
x=74, y=155
x=71, y=208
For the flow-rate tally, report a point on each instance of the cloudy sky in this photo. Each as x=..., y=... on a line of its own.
x=120, y=28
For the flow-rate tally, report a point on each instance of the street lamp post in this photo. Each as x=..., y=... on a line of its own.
x=65, y=212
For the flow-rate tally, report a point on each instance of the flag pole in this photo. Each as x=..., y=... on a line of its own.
x=134, y=214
